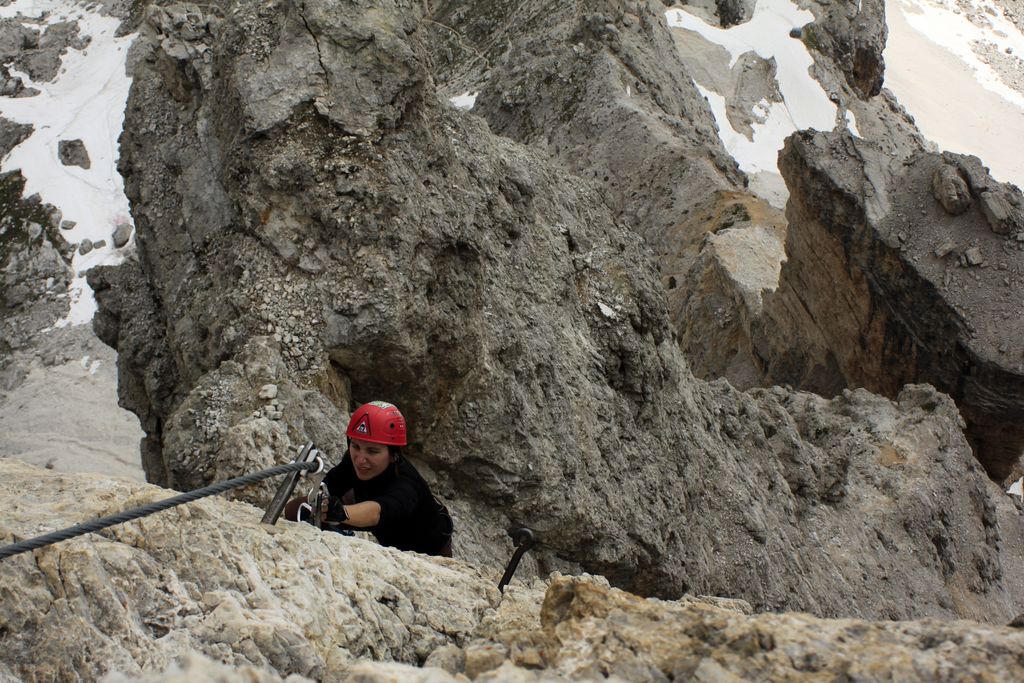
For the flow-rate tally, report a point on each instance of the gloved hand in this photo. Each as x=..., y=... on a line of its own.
x=335, y=512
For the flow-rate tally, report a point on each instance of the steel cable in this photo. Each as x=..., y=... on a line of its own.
x=150, y=508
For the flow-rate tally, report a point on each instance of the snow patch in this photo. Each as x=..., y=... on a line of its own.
x=464, y=101
x=945, y=23
x=85, y=101
x=805, y=103
x=1017, y=488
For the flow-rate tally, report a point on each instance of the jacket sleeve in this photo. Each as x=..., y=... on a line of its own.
x=398, y=502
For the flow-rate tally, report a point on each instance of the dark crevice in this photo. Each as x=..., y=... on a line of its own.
x=319, y=55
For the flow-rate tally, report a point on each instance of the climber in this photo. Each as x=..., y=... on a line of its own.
x=374, y=488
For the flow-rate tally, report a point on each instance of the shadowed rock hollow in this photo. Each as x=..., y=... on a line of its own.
x=311, y=214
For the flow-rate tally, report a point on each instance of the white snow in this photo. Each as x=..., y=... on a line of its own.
x=607, y=311
x=1017, y=488
x=805, y=103
x=958, y=101
x=465, y=101
x=944, y=23
x=86, y=101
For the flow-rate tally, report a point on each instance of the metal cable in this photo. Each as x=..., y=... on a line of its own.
x=148, y=509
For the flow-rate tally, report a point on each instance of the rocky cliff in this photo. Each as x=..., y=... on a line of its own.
x=919, y=264
x=316, y=225
x=205, y=592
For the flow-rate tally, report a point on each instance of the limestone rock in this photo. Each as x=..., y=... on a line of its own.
x=1000, y=214
x=915, y=318
x=122, y=233
x=12, y=134
x=951, y=190
x=176, y=595
x=209, y=577
x=724, y=297
x=34, y=268
x=73, y=153
x=590, y=632
x=853, y=36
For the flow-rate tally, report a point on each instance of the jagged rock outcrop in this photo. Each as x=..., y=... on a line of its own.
x=175, y=590
x=853, y=36
x=394, y=247
x=885, y=285
x=601, y=89
x=35, y=269
x=207, y=577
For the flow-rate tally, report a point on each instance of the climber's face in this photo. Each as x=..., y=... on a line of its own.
x=369, y=459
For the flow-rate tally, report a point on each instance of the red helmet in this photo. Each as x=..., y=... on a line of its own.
x=377, y=422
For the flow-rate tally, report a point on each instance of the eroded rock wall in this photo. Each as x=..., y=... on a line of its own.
x=901, y=272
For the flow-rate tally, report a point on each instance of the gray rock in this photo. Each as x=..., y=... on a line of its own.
x=68, y=225
x=913, y=319
x=12, y=134
x=85, y=247
x=73, y=153
x=951, y=190
x=122, y=233
x=1000, y=214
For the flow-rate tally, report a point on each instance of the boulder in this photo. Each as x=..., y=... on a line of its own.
x=122, y=233
x=951, y=190
x=12, y=134
x=875, y=301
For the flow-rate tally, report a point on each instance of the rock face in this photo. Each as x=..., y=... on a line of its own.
x=601, y=89
x=173, y=591
x=853, y=37
x=390, y=246
x=34, y=271
x=208, y=577
x=923, y=295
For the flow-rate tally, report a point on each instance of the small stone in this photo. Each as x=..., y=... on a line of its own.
x=998, y=213
x=974, y=257
x=85, y=247
x=122, y=233
x=950, y=190
x=67, y=225
x=73, y=153
x=99, y=245
x=268, y=391
x=945, y=248
x=796, y=32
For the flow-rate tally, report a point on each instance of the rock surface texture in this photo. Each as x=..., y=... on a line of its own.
x=902, y=271
x=204, y=592
x=390, y=246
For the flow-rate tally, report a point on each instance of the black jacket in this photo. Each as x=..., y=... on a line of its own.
x=410, y=517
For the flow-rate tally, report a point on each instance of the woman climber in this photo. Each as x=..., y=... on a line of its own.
x=374, y=488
